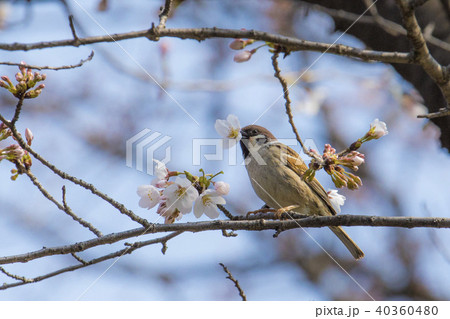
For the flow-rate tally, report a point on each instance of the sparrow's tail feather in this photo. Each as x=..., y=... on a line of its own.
x=348, y=242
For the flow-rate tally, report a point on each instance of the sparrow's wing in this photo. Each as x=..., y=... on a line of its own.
x=295, y=163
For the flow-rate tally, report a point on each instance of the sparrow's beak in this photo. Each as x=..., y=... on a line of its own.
x=244, y=134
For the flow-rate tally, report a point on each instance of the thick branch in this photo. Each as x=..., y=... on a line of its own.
x=387, y=25
x=291, y=44
x=243, y=224
x=421, y=53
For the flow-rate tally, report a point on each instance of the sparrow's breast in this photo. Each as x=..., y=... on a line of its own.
x=276, y=184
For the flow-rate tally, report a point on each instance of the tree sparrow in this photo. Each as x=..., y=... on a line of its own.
x=275, y=172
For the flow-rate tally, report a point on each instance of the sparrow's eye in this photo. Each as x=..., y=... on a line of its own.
x=254, y=132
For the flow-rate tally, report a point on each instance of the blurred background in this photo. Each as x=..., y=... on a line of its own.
x=84, y=116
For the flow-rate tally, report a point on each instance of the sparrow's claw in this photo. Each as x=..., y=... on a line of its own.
x=282, y=210
x=277, y=212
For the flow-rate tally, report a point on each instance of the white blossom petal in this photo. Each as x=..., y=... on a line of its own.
x=207, y=203
x=229, y=129
x=379, y=128
x=150, y=196
x=180, y=195
x=336, y=200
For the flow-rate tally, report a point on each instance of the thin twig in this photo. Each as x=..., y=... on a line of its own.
x=236, y=283
x=20, y=278
x=54, y=68
x=76, y=40
x=380, y=21
x=63, y=207
x=226, y=212
x=441, y=113
x=81, y=260
x=287, y=99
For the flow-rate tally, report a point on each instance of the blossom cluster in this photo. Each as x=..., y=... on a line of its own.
x=333, y=163
x=177, y=198
x=14, y=153
x=26, y=80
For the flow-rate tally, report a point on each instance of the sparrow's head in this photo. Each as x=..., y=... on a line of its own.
x=254, y=136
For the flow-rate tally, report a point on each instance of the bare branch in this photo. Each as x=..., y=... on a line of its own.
x=236, y=283
x=244, y=224
x=55, y=68
x=288, y=102
x=119, y=253
x=120, y=207
x=69, y=212
x=226, y=212
x=20, y=278
x=81, y=260
x=445, y=111
x=76, y=40
x=291, y=44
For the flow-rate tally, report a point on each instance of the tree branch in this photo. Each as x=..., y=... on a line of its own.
x=119, y=253
x=287, y=99
x=200, y=34
x=120, y=207
x=422, y=55
x=63, y=207
x=255, y=224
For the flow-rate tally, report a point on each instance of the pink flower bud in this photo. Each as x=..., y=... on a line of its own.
x=30, y=75
x=237, y=44
x=14, y=152
x=242, y=56
x=5, y=78
x=19, y=77
x=29, y=136
x=22, y=68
